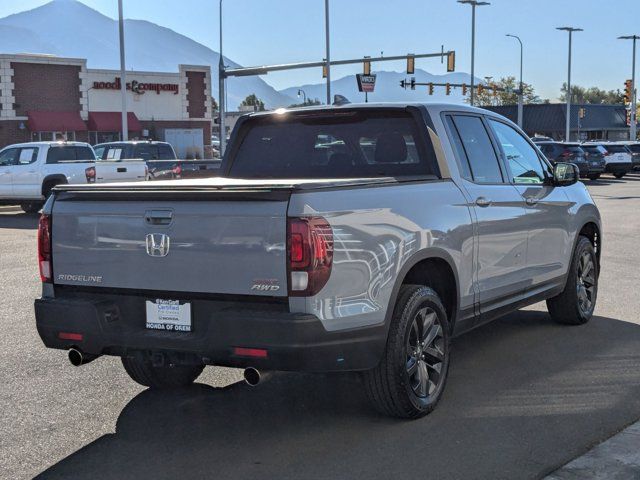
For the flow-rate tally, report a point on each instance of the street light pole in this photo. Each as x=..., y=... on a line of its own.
x=221, y=94
x=632, y=112
x=474, y=4
x=123, y=75
x=304, y=95
x=328, y=50
x=521, y=92
x=568, y=125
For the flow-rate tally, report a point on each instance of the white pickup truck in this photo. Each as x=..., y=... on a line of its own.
x=28, y=171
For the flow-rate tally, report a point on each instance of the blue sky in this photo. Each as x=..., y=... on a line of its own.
x=280, y=31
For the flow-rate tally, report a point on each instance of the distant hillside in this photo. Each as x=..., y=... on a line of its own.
x=70, y=28
x=388, y=88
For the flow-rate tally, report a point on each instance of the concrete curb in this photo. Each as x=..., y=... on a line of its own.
x=616, y=458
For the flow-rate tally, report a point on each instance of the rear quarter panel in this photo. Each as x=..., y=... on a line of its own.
x=377, y=232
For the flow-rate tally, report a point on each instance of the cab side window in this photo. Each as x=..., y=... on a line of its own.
x=522, y=159
x=27, y=156
x=474, y=147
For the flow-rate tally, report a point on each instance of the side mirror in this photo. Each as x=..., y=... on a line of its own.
x=565, y=174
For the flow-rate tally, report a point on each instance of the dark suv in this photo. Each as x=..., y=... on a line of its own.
x=595, y=158
x=570, y=153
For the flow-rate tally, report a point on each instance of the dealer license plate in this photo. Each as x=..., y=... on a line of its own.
x=168, y=315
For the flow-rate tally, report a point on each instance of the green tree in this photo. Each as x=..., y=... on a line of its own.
x=488, y=98
x=308, y=103
x=253, y=101
x=214, y=105
x=591, y=95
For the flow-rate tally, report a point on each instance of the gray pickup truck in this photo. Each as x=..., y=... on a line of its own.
x=347, y=238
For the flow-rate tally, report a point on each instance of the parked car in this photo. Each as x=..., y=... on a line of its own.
x=569, y=152
x=304, y=257
x=634, y=149
x=541, y=138
x=595, y=159
x=29, y=171
x=617, y=157
x=160, y=158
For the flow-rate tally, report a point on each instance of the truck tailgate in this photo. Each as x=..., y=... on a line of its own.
x=228, y=245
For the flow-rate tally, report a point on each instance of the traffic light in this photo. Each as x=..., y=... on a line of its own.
x=430, y=86
x=324, y=71
x=480, y=89
x=582, y=113
x=366, y=66
x=413, y=83
x=447, y=88
x=627, y=92
x=464, y=89
x=411, y=64
x=451, y=61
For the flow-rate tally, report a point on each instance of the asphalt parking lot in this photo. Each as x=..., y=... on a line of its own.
x=524, y=395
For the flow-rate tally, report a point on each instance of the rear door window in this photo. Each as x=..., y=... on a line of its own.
x=617, y=149
x=477, y=149
x=57, y=154
x=27, y=155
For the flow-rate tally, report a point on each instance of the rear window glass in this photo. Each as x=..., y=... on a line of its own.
x=573, y=149
x=616, y=149
x=165, y=152
x=634, y=148
x=592, y=150
x=146, y=152
x=360, y=144
x=57, y=154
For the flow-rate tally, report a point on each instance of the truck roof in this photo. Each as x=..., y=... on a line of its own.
x=434, y=107
x=48, y=144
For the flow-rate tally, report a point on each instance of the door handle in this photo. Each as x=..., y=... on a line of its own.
x=122, y=170
x=483, y=202
x=531, y=201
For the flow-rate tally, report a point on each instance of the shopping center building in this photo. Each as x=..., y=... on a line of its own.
x=51, y=98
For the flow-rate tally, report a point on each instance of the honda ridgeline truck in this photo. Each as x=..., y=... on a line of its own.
x=345, y=238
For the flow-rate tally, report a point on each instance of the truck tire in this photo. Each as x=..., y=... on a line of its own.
x=618, y=175
x=594, y=176
x=31, y=207
x=410, y=378
x=575, y=305
x=144, y=373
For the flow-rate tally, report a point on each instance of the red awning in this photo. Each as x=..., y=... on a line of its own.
x=55, y=122
x=112, y=122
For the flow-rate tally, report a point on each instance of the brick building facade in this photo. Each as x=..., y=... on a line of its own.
x=47, y=98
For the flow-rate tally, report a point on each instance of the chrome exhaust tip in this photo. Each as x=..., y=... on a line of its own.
x=77, y=358
x=253, y=376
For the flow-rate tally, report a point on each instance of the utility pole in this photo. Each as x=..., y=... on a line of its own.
x=634, y=99
x=521, y=92
x=328, y=50
x=568, y=126
x=474, y=4
x=123, y=75
x=221, y=94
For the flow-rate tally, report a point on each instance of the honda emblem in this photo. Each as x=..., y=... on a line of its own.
x=158, y=244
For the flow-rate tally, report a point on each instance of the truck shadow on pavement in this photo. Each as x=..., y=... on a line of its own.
x=524, y=396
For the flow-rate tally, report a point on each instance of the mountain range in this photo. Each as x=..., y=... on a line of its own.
x=69, y=28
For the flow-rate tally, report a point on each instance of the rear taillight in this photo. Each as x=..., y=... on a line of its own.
x=44, y=248
x=90, y=173
x=310, y=255
x=177, y=170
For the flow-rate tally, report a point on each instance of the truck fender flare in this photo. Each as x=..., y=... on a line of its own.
x=56, y=179
x=425, y=254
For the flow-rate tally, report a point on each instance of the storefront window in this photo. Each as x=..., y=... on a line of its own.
x=53, y=136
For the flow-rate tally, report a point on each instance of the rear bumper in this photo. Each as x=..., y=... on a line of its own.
x=115, y=325
x=619, y=167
